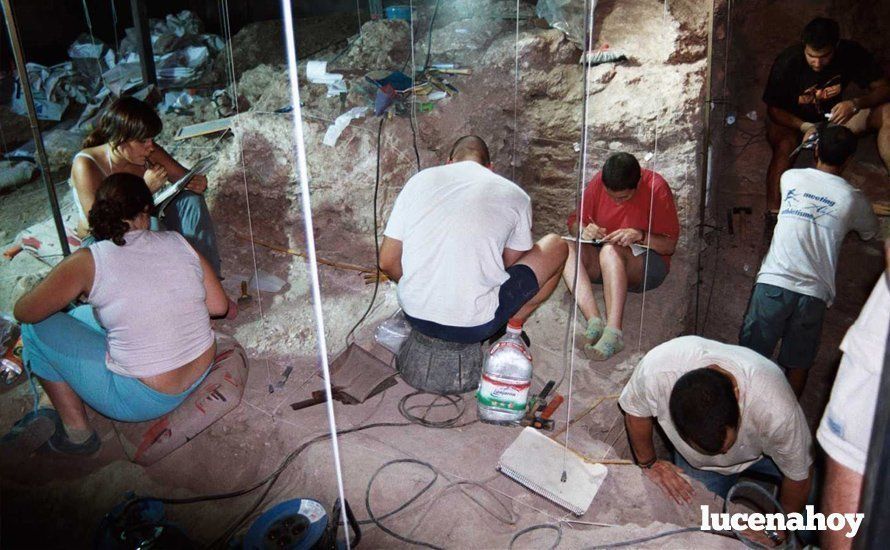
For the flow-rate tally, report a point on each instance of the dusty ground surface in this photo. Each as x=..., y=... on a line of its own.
x=253, y=192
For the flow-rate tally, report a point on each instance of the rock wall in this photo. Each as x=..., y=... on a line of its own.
x=649, y=106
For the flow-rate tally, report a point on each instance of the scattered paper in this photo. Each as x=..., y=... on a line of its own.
x=340, y=124
x=316, y=72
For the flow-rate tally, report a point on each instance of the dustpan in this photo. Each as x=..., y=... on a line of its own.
x=536, y=461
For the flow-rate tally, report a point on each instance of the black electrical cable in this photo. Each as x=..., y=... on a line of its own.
x=429, y=40
x=268, y=481
x=376, y=520
x=557, y=528
x=414, y=137
x=376, y=239
x=455, y=401
x=789, y=542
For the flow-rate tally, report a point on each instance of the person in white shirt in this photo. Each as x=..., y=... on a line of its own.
x=796, y=280
x=726, y=410
x=459, y=245
x=846, y=428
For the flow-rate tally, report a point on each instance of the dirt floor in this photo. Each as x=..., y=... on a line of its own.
x=253, y=193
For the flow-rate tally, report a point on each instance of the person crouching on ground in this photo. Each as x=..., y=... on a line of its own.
x=726, y=410
x=149, y=344
x=622, y=206
x=123, y=142
x=807, y=83
x=796, y=280
x=459, y=245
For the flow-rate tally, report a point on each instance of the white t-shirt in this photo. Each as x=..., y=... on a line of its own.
x=454, y=222
x=771, y=421
x=845, y=430
x=818, y=210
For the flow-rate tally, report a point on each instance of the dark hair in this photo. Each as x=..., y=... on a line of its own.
x=125, y=119
x=470, y=148
x=703, y=408
x=120, y=197
x=621, y=172
x=836, y=145
x=821, y=33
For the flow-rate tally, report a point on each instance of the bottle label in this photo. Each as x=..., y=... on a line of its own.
x=502, y=393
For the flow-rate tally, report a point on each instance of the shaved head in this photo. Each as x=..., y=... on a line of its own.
x=470, y=148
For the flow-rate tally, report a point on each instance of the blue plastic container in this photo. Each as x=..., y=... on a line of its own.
x=398, y=12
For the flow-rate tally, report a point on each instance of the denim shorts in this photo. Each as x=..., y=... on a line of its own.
x=514, y=293
x=775, y=314
x=70, y=347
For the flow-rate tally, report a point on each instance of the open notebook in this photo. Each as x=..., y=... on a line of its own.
x=163, y=196
x=536, y=461
x=637, y=249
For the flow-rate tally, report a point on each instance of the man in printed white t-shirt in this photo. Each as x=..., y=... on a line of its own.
x=726, y=410
x=796, y=280
x=459, y=245
x=845, y=430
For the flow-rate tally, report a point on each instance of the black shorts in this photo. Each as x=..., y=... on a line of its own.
x=514, y=293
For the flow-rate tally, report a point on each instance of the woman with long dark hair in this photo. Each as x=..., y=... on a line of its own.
x=143, y=342
x=123, y=142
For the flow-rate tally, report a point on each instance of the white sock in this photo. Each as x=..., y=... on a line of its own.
x=77, y=436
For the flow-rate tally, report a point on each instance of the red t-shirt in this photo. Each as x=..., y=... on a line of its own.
x=600, y=209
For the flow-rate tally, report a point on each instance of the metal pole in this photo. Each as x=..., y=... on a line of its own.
x=143, y=39
x=25, y=83
x=876, y=482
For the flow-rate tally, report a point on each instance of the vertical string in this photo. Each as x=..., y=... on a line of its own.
x=86, y=14
x=515, y=95
x=415, y=127
x=591, y=6
x=230, y=76
x=358, y=15
x=654, y=164
x=114, y=22
x=300, y=152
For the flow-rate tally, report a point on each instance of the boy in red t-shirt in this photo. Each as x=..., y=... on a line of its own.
x=630, y=214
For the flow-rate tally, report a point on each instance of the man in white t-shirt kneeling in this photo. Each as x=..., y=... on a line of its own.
x=726, y=410
x=796, y=280
x=459, y=245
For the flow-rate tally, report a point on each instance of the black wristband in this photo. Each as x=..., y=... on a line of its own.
x=648, y=465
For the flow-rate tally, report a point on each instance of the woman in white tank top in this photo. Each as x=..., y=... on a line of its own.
x=123, y=142
x=143, y=343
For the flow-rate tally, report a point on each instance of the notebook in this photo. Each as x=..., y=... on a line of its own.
x=163, y=196
x=536, y=461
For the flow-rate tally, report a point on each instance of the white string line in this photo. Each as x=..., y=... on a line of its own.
x=227, y=35
x=515, y=96
x=573, y=318
x=358, y=15
x=300, y=151
x=413, y=68
x=649, y=250
x=114, y=23
x=86, y=14
x=386, y=140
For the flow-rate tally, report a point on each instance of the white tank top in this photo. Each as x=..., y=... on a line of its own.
x=149, y=296
x=77, y=202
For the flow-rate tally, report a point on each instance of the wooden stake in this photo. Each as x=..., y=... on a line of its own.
x=301, y=254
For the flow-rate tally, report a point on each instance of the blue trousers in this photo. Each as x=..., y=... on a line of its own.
x=70, y=347
x=720, y=484
x=187, y=214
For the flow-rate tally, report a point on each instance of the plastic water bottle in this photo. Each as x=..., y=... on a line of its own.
x=506, y=378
